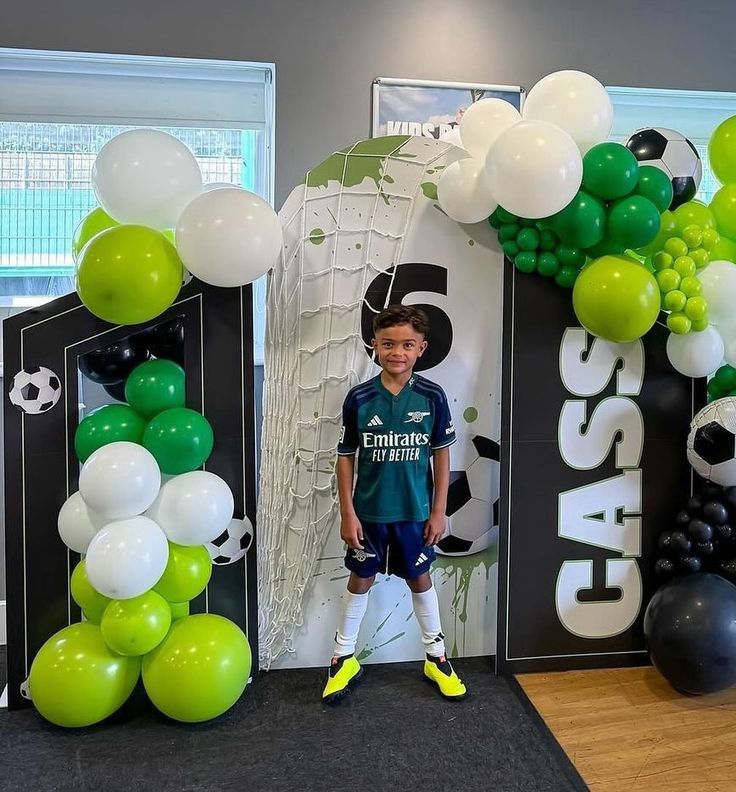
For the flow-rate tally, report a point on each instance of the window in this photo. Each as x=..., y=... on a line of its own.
x=695, y=114
x=58, y=109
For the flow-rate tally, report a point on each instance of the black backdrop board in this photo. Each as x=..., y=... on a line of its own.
x=41, y=469
x=593, y=468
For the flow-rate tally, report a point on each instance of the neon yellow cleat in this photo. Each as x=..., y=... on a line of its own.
x=439, y=671
x=343, y=673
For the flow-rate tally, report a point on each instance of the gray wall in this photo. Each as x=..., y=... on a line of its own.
x=328, y=51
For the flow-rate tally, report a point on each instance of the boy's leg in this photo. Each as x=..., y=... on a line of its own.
x=427, y=611
x=354, y=607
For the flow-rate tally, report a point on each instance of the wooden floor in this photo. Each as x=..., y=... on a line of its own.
x=626, y=730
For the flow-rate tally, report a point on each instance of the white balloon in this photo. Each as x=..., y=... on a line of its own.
x=483, y=122
x=463, y=192
x=218, y=186
x=229, y=237
x=719, y=289
x=728, y=333
x=126, y=558
x=77, y=523
x=574, y=101
x=120, y=480
x=145, y=177
x=696, y=354
x=457, y=153
x=193, y=508
x=534, y=169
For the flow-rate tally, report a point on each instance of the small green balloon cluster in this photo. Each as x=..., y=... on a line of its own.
x=723, y=383
x=535, y=247
x=676, y=267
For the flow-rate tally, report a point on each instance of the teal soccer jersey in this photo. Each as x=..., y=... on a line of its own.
x=394, y=437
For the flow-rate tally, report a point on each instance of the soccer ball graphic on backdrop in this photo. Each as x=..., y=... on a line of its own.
x=672, y=153
x=472, y=502
x=711, y=444
x=233, y=543
x=35, y=390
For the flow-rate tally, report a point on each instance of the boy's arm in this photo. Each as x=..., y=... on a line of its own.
x=351, y=531
x=441, y=473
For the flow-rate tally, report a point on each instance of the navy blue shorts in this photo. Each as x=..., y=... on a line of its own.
x=391, y=548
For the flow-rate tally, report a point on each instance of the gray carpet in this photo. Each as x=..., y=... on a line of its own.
x=393, y=732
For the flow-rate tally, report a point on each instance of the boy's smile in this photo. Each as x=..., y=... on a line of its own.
x=397, y=349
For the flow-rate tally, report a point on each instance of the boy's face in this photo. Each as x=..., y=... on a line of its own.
x=398, y=348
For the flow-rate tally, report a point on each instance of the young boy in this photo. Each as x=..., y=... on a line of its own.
x=395, y=422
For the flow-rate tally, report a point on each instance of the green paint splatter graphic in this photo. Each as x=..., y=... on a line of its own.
x=470, y=414
x=364, y=160
x=317, y=236
x=430, y=190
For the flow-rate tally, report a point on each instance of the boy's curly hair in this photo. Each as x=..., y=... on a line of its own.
x=402, y=314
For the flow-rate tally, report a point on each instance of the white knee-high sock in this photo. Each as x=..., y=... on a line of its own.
x=427, y=611
x=349, y=625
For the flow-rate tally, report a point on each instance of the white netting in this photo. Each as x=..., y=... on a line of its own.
x=343, y=227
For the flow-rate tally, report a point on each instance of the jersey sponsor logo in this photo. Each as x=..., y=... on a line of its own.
x=416, y=417
x=394, y=439
x=375, y=421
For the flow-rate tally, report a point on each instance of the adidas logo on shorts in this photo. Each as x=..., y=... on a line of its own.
x=422, y=558
x=375, y=421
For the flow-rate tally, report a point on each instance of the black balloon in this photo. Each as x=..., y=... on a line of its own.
x=683, y=518
x=704, y=549
x=711, y=492
x=116, y=390
x=729, y=567
x=690, y=563
x=700, y=531
x=165, y=340
x=113, y=363
x=664, y=567
x=680, y=543
x=690, y=625
x=715, y=512
x=729, y=497
x=723, y=532
x=665, y=542
x=694, y=504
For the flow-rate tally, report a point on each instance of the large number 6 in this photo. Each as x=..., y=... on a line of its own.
x=396, y=283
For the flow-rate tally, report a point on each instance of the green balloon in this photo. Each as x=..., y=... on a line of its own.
x=570, y=256
x=494, y=221
x=89, y=599
x=723, y=207
x=526, y=261
x=610, y=171
x=723, y=250
x=655, y=185
x=505, y=216
x=179, y=610
x=107, y=424
x=508, y=232
x=187, y=573
x=567, y=276
x=136, y=626
x=199, y=670
x=693, y=213
x=155, y=386
x=528, y=239
x=76, y=680
x=725, y=377
x=180, y=439
x=548, y=240
x=128, y=274
x=606, y=247
x=633, y=221
x=722, y=151
x=667, y=229
x=89, y=226
x=548, y=265
x=617, y=299
x=713, y=390
x=582, y=222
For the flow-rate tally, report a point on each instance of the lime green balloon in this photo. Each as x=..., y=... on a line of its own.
x=89, y=599
x=187, y=573
x=180, y=440
x=76, y=680
x=107, y=424
x=89, y=226
x=155, y=386
x=679, y=323
x=722, y=151
x=128, y=274
x=693, y=213
x=674, y=300
x=179, y=610
x=633, y=221
x=610, y=171
x=723, y=207
x=723, y=250
x=582, y=223
x=199, y=670
x=655, y=185
x=136, y=626
x=691, y=287
x=696, y=309
x=666, y=230
x=710, y=239
x=616, y=299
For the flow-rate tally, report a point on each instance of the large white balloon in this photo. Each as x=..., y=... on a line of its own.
x=120, y=480
x=457, y=153
x=126, y=558
x=728, y=333
x=193, y=508
x=719, y=289
x=229, y=237
x=77, y=523
x=463, y=192
x=534, y=169
x=483, y=122
x=696, y=354
x=145, y=177
x=574, y=101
